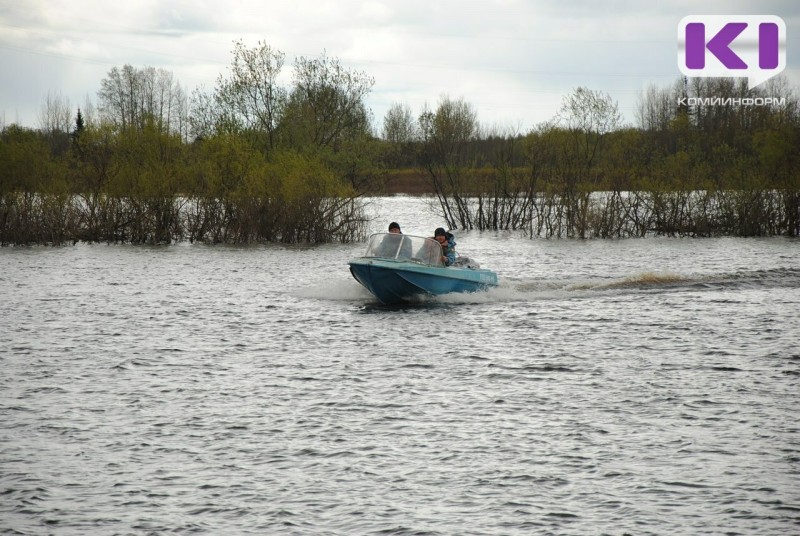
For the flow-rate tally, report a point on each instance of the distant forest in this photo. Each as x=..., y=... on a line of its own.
x=251, y=160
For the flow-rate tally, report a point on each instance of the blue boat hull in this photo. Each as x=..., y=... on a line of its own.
x=393, y=281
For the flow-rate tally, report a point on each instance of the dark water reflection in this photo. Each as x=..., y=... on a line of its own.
x=639, y=387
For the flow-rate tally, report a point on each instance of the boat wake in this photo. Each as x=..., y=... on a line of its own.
x=522, y=289
x=346, y=289
x=658, y=282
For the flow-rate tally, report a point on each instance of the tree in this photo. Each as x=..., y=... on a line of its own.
x=399, y=125
x=326, y=106
x=249, y=100
x=54, y=122
x=80, y=125
x=446, y=136
x=24, y=157
x=590, y=113
x=584, y=120
x=658, y=107
x=55, y=114
x=135, y=98
x=27, y=171
x=588, y=116
x=400, y=132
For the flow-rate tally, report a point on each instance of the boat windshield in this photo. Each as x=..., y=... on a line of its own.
x=405, y=247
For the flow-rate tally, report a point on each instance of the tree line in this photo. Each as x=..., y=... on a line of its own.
x=684, y=170
x=252, y=160
x=246, y=161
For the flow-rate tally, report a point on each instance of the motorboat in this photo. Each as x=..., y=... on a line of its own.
x=399, y=267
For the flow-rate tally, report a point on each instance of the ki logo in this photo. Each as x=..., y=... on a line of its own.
x=732, y=45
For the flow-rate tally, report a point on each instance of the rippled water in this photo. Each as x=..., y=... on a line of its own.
x=607, y=387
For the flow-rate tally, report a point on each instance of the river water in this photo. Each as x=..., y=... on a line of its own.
x=606, y=387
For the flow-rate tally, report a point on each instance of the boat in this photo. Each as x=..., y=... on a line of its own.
x=399, y=267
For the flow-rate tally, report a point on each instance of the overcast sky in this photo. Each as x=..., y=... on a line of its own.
x=513, y=60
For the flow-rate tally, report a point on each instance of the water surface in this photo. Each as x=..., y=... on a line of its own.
x=606, y=387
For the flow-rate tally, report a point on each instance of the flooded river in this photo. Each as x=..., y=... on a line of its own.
x=606, y=387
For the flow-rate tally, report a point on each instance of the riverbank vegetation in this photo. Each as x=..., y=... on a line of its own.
x=684, y=171
x=251, y=160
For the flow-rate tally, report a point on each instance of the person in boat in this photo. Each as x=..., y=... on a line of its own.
x=448, y=243
x=388, y=247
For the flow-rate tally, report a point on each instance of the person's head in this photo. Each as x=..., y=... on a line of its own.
x=440, y=235
x=394, y=228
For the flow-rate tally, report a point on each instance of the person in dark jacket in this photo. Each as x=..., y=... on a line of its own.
x=391, y=241
x=448, y=243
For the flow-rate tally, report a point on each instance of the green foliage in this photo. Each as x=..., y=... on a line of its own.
x=778, y=153
x=326, y=106
x=24, y=160
x=273, y=163
x=730, y=169
x=249, y=102
x=302, y=177
x=240, y=196
x=33, y=189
